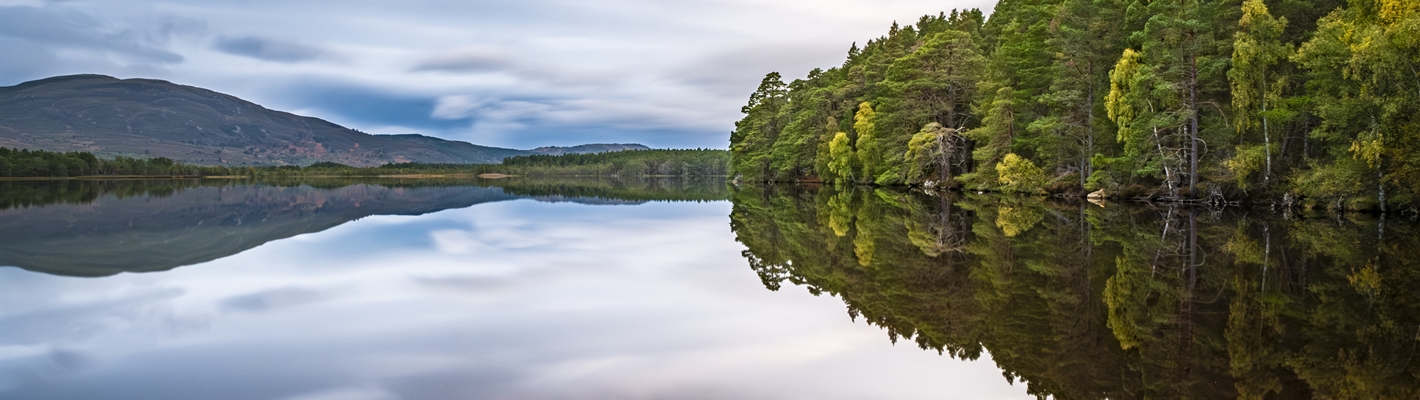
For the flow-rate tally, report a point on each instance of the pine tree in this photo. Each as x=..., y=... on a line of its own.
x=755, y=135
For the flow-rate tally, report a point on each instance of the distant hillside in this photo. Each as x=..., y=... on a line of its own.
x=152, y=118
x=588, y=148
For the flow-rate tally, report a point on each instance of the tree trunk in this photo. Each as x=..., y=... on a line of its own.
x=1193, y=126
x=1087, y=169
x=1168, y=176
x=944, y=162
x=1380, y=181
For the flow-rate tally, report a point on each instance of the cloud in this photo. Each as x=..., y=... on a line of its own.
x=359, y=105
x=348, y=393
x=25, y=59
x=483, y=60
x=75, y=29
x=456, y=107
x=468, y=59
x=736, y=71
x=268, y=49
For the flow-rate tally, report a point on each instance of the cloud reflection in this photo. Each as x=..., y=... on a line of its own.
x=272, y=299
x=566, y=301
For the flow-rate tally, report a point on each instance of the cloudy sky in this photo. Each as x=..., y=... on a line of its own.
x=505, y=73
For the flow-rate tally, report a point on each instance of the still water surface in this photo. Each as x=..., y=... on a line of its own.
x=400, y=291
x=576, y=289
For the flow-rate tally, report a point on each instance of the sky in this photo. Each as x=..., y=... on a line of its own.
x=520, y=74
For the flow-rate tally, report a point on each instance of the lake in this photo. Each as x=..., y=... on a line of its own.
x=667, y=289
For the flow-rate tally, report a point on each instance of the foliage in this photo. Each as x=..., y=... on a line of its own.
x=1173, y=100
x=1018, y=174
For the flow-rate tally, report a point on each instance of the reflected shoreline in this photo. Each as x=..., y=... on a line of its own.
x=101, y=228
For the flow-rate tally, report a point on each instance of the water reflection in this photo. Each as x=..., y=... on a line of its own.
x=429, y=296
x=99, y=228
x=1081, y=301
x=502, y=300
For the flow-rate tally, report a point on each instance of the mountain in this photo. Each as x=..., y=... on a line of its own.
x=108, y=116
x=588, y=148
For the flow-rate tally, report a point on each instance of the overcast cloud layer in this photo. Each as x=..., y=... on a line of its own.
x=514, y=74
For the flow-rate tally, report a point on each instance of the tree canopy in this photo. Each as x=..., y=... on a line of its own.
x=1317, y=100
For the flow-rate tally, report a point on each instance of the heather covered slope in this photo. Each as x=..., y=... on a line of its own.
x=151, y=118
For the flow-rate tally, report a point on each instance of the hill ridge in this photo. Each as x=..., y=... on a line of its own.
x=141, y=117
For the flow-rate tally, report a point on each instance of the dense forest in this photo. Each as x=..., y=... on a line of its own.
x=1314, y=101
x=1077, y=301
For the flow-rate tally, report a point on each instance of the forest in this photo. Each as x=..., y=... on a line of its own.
x=1311, y=103
x=1130, y=301
x=21, y=163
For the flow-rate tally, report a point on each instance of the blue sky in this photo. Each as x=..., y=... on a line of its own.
x=516, y=74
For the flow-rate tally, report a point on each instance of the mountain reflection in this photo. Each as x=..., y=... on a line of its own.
x=1087, y=302
x=100, y=228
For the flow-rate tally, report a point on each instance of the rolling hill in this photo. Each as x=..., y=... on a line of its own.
x=109, y=117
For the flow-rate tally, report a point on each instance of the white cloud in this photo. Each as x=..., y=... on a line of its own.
x=456, y=107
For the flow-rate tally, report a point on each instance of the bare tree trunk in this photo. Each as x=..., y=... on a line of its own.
x=944, y=166
x=1168, y=176
x=1087, y=168
x=1380, y=181
x=1193, y=126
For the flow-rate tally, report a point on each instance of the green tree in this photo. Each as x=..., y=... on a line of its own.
x=934, y=83
x=867, y=144
x=1364, y=68
x=842, y=163
x=1256, y=82
x=934, y=148
x=754, y=136
x=1019, y=174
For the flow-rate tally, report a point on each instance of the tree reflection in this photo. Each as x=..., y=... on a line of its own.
x=1086, y=302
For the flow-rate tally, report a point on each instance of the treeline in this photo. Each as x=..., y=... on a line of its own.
x=1171, y=100
x=627, y=163
x=689, y=162
x=613, y=189
x=20, y=163
x=1076, y=301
